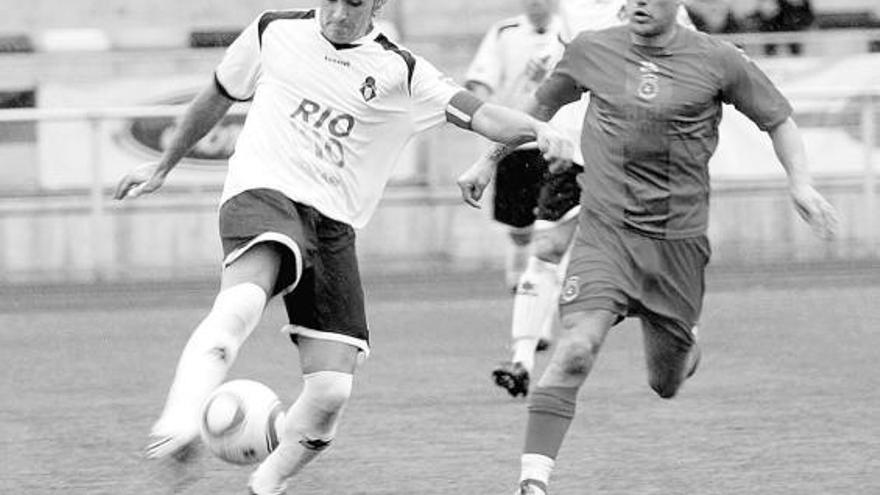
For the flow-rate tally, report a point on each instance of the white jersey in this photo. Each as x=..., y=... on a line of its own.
x=327, y=122
x=505, y=52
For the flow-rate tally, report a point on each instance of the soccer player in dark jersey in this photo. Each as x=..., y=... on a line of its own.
x=652, y=124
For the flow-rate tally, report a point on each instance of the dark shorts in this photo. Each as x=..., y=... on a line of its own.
x=629, y=274
x=525, y=190
x=319, y=278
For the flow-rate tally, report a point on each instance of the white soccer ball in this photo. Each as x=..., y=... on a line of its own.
x=240, y=421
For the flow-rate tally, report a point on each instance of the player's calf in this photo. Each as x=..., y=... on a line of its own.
x=309, y=428
x=517, y=256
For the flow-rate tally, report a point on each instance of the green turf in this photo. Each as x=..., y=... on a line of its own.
x=786, y=400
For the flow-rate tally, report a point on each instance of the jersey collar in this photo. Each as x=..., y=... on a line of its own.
x=666, y=49
x=370, y=36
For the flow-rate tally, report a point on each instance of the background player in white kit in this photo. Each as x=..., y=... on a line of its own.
x=513, y=58
x=537, y=292
x=334, y=102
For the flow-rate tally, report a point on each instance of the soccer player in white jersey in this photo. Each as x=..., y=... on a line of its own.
x=537, y=291
x=514, y=57
x=333, y=104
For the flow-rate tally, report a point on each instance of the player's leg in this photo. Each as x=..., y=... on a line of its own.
x=552, y=402
x=535, y=300
x=516, y=258
x=213, y=346
x=534, y=304
x=671, y=353
x=310, y=424
x=328, y=324
x=595, y=296
x=255, y=255
x=672, y=305
x=517, y=180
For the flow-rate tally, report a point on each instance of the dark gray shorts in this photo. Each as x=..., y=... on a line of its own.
x=629, y=274
x=319, y=277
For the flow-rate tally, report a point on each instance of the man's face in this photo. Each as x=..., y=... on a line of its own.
x=651, y=18
x=343, y=21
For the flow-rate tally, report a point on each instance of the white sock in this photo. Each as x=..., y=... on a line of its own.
x=516, y=263
x=207, y=356
x=309, y=427
x=536, y=467
x=552, y=321
x=534, y=303
x=547, y=328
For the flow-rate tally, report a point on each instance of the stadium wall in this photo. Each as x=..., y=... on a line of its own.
x=52, y=228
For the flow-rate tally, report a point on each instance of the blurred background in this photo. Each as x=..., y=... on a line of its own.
x=91, y=88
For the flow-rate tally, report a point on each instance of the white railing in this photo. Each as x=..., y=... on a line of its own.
x=431, y=192
x=94, y=201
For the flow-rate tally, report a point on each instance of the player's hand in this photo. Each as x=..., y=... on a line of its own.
x=557, y=149
x=143, y=179
x=537, y=68
x=475, y=180
x=816, y=210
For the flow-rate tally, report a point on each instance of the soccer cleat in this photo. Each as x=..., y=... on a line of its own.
x=512, y=377
x=179, y=447
x=175, y=467
x=531, y=487
x=543, y=345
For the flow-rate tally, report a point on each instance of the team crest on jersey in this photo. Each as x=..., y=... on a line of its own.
x=570, y=290
x=649, y=86
x=368, y=88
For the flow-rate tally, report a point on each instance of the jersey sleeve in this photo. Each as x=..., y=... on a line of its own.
x=748, y=89
x=485, y=68
x=562, y=87
x=432, y=93
x=236, y=75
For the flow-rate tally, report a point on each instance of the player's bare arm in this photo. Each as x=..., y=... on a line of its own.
x=479, y=89
x=812, y=206
x=509, y=129
x=205, y=111
x=541, y=106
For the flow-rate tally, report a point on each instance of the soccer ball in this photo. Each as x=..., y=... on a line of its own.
x=240, y=421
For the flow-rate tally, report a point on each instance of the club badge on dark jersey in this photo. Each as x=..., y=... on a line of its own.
x=649, y=87
x=571, y=289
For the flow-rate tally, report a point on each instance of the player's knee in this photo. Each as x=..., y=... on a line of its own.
x=331, y=389
x=578, y=356
x=316, y=412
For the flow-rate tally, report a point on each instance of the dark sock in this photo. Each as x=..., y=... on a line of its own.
x=551, y=410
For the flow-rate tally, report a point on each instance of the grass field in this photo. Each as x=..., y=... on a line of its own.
x=786, y=400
